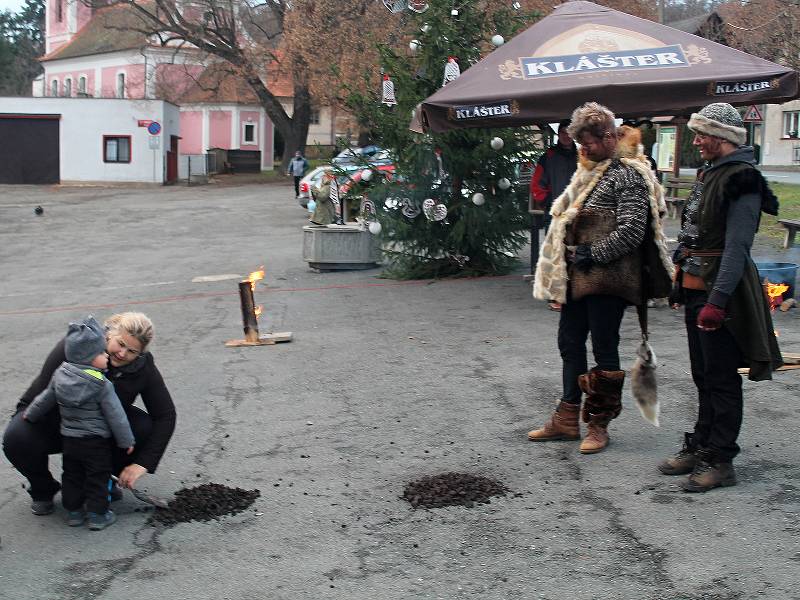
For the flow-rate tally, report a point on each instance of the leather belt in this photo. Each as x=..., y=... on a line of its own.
x=714, y=252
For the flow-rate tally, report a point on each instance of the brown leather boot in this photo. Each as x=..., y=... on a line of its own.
x=603, y=403
x=709, y=473
x=563, y=425
x=684, y=461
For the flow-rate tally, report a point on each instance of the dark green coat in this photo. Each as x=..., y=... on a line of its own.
x=749, y=318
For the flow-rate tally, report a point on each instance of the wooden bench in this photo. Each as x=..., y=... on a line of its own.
x=674, y=202
x=791, y=225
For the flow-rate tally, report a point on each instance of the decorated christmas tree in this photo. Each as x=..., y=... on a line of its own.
x=456, y=204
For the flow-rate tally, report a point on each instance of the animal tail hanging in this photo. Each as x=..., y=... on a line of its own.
x=644, y=386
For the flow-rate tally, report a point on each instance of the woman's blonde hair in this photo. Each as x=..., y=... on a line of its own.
x=135, y=324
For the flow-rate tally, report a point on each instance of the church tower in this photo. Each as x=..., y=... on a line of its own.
x=63, y=19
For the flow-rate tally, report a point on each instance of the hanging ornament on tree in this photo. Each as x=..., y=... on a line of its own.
x=366, y=174
x=395, y=6
x=441, y=173
x=374, y=227
x=451, y=70
x=497, y=143
x=367, y=209
x=433, y=211
x=498, y=40
x=418, y=6
x=425, y=28
x=414, y=45
x=410, y=209
x=478, y=199
x=503, y=183
x=516, y=5
x=388, y=92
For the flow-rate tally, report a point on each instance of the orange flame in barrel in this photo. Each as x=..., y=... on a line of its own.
x=775, y=292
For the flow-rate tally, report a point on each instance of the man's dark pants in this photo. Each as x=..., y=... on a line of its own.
x=87, y=468
x=297, y=179
x=28, y=445
x=715, y=358
x=599, y=315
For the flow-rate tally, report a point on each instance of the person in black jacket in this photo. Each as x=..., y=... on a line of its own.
x=133, y=372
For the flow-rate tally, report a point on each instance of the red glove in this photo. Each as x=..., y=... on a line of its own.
x=711, y=317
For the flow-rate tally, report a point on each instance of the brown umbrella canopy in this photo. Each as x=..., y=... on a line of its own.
x=586, y=52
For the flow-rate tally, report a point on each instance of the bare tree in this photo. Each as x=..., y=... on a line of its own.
x=262, y=42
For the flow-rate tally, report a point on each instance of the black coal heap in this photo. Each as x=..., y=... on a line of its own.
x=452, y=489
x=205, y=502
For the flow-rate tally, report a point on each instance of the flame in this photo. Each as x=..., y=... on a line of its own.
x=257, y=310
x=775, y=292
x=255, y=276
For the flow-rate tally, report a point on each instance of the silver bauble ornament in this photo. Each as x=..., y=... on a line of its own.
x=498, y=40
x=375, y=227
x=497, y=143
x=366, y=174
x=414, y=45
x=504, y=184
x=478, y=199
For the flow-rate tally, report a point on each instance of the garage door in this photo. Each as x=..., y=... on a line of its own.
x=29, y=152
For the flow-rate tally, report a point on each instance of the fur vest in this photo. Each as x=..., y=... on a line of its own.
x=552, y=277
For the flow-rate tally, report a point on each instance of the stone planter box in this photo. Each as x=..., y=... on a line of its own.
x=340, y=247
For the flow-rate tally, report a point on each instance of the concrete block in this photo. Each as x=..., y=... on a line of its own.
x=340, y=247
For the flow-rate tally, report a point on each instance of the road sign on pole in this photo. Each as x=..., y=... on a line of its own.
x=753, y=114
x=154, y=128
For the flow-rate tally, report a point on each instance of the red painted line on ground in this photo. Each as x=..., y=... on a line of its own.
x=199, y=295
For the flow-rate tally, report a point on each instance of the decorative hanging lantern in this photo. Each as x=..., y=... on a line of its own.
x=451, y=71
x=388, y=92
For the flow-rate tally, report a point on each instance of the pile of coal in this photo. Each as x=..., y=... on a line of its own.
x=452, y=489
x=205, y=502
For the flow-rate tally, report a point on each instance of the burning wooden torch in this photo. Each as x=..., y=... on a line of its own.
x=250, y=314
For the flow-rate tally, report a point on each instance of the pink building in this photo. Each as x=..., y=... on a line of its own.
x=96, y=53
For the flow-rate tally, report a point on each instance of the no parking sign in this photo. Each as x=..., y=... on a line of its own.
x=154, y=128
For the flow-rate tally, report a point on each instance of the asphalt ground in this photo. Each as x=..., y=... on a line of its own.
x=384, y=382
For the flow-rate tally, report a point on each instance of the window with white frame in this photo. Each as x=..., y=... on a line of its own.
x=67, y=87
x=120, y=85
x=54, y=87
x=248, y=133
x=117, y=148
x=791, y=123
x=82, y=85
x=314, y=119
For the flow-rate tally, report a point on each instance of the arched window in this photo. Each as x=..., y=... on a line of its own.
x=120, y=85
x=54, y=87
x=68, y=88
x=82, y=85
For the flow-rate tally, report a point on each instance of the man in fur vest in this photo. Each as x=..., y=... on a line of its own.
x=727, y=316
x=603, y=251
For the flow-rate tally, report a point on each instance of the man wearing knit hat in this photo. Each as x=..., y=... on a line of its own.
x=91, y=416
x=727, y=317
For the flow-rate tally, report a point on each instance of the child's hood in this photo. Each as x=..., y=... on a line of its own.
x=75, y=384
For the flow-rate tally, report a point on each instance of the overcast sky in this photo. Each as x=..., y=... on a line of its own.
x=12, y=5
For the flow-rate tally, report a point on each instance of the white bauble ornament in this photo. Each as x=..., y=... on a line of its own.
x=425, y=28
x=414, y=45
x=498, y=40
x=454, y=12
x=504, y=184
x=478, y=199
x=497, y=143
x=375, y=227
x=516, y=5
x=366, y=174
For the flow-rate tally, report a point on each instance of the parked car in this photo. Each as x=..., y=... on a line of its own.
x=312, y=179
x=352, y=155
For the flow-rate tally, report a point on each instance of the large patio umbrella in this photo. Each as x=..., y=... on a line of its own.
x=583, y=51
